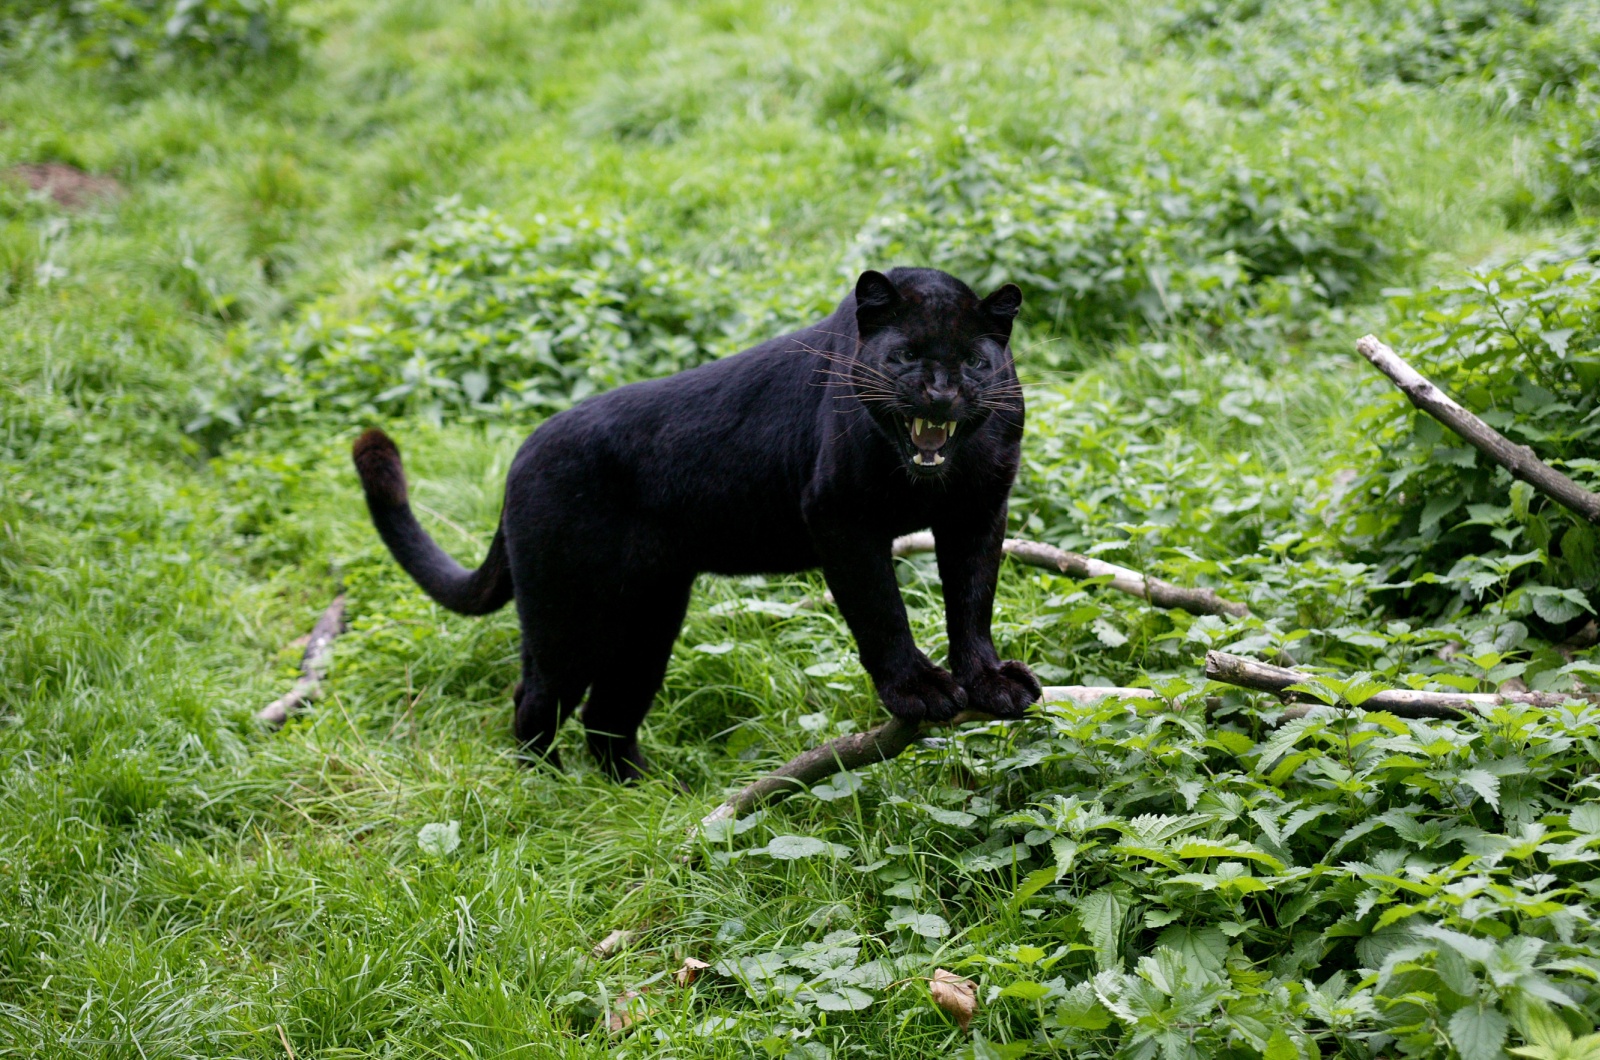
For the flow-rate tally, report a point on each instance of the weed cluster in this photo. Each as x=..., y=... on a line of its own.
x=144, y=35
x=480, y=319
x=1520, y=343
x=1155, y=250
x=1152, y=859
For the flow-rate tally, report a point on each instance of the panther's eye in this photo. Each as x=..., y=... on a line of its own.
x=978, y=359
x=899, y=355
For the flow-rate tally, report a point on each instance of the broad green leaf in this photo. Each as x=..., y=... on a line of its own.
x=1473, y=949
x=1235, y=743
x=1557, y=605
x=1394, y=914
x=1101, y=913
x=1207, y=848
x=1066, y=852
x=842, y=999
x=954, y=818
x=791, y=847
x=1455, y=972
x=1205, y=946
x=1543, y=1027
x=839, y=786
x=928, y=925
x=1036, y=881
x=1153, y=853
x=1081, y=1009
x=1486, y=784
x=1478, y=1033
x=1108, y=634
x=1280, y=1047
x=1026, y=990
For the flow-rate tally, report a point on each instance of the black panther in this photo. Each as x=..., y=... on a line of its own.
x=900, y=411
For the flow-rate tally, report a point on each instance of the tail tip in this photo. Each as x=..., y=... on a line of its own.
x=377, y=461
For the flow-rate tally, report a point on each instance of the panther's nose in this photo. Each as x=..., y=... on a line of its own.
x=941, y=401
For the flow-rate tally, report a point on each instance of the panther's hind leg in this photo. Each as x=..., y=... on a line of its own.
x=554, y=677
x=628, y=672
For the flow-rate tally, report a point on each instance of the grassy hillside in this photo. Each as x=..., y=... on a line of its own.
x=454, y=219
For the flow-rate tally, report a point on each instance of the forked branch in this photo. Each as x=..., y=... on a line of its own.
x=1522, y=462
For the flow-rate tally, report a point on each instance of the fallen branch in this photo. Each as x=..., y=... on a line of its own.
x=1401, y=702
x=313, y=667
x=1521, y=461
x=861, y=749
x=1154, y=590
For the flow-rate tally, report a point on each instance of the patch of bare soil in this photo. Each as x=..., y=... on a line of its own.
x=69, y=186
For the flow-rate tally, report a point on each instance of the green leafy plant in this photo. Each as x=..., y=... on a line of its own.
x=1520, y=346
x=1516, y=55
x=483, y=319
x=1567, y=177
x=130, y=34
x=1156, y=250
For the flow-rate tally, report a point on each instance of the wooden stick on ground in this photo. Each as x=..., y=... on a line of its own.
x=1401, y=702
x=313, y=667
x=1158, y=592
x=1521, y=461
x=861, y=749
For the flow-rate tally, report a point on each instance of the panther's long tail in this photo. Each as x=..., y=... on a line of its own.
x=469, y=592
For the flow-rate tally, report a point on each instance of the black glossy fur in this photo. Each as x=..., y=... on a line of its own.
x=794, y=454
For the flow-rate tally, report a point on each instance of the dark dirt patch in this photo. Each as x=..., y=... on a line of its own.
x=69, y=186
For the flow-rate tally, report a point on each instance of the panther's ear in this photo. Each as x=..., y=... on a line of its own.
x=1005, y=302
x=876, y=299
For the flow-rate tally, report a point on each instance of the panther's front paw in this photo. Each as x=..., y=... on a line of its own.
x=926, y=693
x=1004, y=690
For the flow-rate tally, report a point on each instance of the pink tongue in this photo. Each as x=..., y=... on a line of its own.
x=930, y=437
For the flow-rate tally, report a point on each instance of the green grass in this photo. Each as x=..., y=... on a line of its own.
x=174, y=882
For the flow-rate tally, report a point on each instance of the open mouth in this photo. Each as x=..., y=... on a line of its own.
x=929, y=439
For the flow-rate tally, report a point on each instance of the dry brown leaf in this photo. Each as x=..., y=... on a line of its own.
x=957, y=996
x=612, y=943
x=627, y=1008
x=690, y=971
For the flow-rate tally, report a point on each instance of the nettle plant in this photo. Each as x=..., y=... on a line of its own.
x=127, y=35
x=1156, y=249
x=1179, y=886
x=1567, y=179
x=482, y=319
x=1516, y=55
x=1520, y=346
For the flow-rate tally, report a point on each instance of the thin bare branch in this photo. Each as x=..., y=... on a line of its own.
x=1522, y=462
x=313, y=667
x=1401, y=702
x=860, y=749
x=1154, y=590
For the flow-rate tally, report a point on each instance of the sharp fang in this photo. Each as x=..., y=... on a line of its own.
x=938, y=458
x=950, y=428
x=917, y=459
x=916, y=426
